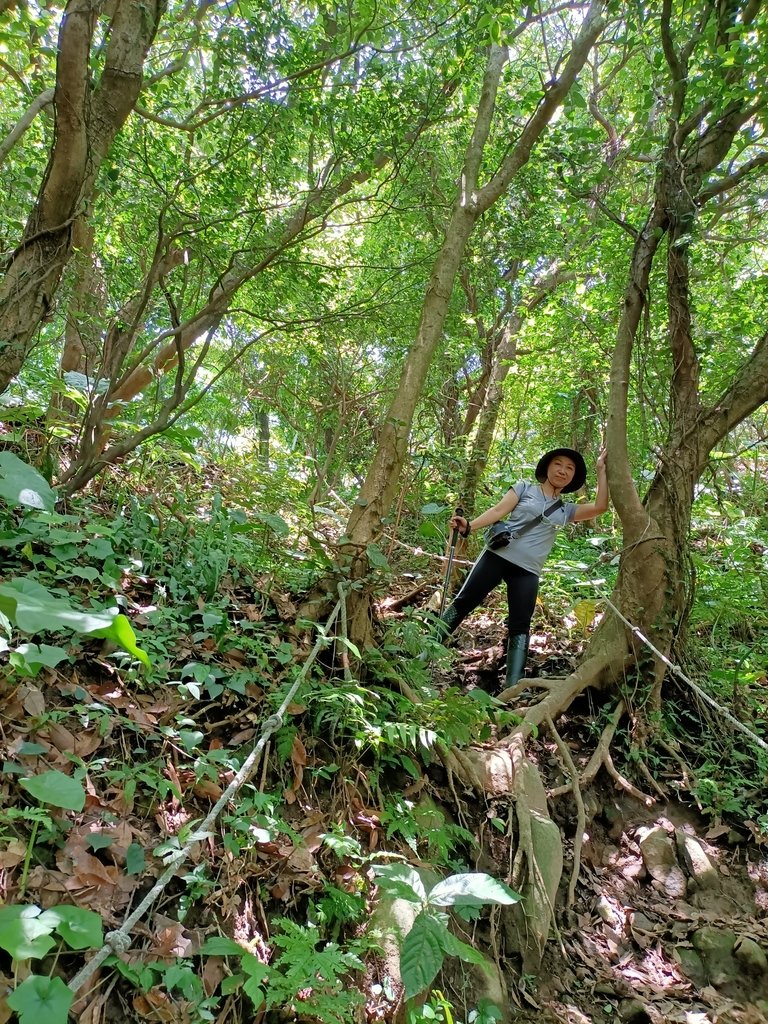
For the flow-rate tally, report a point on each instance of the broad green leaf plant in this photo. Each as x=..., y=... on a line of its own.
x=27, y=933
x=430, y=940
x=28, y=606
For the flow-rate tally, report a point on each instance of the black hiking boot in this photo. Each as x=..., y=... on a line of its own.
x=517, y=653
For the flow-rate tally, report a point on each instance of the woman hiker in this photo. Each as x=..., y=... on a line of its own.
x=517, y=548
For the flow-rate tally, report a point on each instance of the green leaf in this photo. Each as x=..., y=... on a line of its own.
x=453, y=946
x=20, y=484
x=80, y=928
x=257, y=976
x=35, y=657
x=26, y=937
x=121, y=631
x=276, y=523
x=33, y=609
x=433, y=509
x=255, y=993
x=134, y=859
x=220, y=945
x=473, y=890
x=28, y=748
x=254, y=968
x=376, y=556
x=15, y=911
x=430, y=531
x=401, y=881
x=352, y=647
x=99, y=840
x=56, y=789
x=486, y=1013
x=421, y=955
x=41, y=999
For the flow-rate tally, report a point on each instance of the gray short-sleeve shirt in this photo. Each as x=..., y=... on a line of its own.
x=530, y=551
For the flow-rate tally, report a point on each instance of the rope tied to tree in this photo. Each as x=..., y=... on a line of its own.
x=677, y=671
x=119, y=940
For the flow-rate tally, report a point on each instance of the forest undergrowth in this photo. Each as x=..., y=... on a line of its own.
x=121, y=729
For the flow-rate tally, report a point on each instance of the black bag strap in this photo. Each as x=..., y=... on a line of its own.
x=537, y=519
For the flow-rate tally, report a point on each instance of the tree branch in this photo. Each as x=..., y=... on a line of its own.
x=716, y=188
x=591, y=27
x=42, y=100
x=747, y=393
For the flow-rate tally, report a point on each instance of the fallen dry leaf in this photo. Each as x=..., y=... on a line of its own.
x=169, y=941
x=299, y=761
x=13, y=854
x=207, y=789
x=87, y=742
x=302, y=861
x=93, y=1013
x=60, y=737
x=157, y=1005
x=32, y=700
x=213, y=972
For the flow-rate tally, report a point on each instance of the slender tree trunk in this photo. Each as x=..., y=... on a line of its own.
x=82, y=332
x=489, y=414
x=264, y=439
x=504, y=355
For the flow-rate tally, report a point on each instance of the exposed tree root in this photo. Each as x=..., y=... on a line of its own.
x=625, y=784
x=397, y=604
x=505, y=771
x=660, y=790
x=598, y=757
x=581, y=814
x=561, y=694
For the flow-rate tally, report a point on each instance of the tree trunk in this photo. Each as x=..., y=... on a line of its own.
x=82, y=332
x=264, y=439
x=504, y=354
x=86, y=124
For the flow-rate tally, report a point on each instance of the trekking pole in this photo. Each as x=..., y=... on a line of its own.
x=454, y=540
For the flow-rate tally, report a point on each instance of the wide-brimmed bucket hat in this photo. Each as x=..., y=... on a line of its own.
x=579, y=476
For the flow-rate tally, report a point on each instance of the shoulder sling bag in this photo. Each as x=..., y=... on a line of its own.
x=499, y=535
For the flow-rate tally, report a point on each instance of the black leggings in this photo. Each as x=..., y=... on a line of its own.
x=487, y=573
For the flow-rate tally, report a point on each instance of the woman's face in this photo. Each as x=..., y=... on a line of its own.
x=560, y=471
